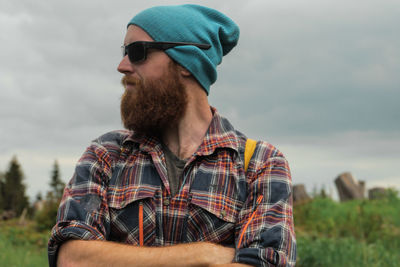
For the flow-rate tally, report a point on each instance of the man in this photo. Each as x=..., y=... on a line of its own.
x=172, y=189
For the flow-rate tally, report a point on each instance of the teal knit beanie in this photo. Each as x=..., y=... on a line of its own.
x=191, y=23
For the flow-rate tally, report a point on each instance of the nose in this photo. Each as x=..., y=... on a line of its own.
x=125, y=66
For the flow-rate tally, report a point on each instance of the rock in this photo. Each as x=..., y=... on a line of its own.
x=349, y=188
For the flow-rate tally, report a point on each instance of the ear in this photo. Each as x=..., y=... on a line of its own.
x=184, y=72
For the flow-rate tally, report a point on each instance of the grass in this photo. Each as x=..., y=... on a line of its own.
x=344, y=252
x=22, y=245
x=353, y=233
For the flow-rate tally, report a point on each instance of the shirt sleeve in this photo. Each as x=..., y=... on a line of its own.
x=265, y=232
x=83, y=212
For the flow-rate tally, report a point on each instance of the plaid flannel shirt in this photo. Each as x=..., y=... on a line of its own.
x=121, y=175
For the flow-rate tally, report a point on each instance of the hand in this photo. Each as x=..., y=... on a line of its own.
x=218, y=254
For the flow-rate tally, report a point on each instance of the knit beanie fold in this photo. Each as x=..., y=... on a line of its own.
x=195, y=24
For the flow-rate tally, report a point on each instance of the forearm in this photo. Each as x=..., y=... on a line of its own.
x=231, y=265
x=103, y=253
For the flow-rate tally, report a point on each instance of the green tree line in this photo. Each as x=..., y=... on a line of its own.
x=14, y=201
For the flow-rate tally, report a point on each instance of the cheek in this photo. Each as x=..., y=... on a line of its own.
x=152, y=75
x=156, y=65
x=155, y=72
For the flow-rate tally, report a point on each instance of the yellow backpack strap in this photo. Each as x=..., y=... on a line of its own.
x=248, y=152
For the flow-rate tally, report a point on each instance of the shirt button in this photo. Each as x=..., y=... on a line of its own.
x=223, y=213
x=166, y=202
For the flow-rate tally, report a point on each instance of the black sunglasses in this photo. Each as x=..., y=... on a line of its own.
x=137, y=51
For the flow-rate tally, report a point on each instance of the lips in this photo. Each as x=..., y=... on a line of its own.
x=129, y=82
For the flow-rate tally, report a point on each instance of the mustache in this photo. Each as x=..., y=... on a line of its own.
x=130, y=80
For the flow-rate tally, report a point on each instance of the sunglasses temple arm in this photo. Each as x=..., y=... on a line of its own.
x=201, y=46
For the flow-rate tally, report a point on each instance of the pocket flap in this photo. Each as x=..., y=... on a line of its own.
x=222, y=206
x=119, y=198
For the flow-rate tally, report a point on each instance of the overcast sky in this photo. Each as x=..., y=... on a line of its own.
x=319, y=79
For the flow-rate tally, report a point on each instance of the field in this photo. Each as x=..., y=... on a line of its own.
x=22, y=245
x=354, y=233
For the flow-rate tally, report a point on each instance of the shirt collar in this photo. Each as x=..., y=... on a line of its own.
x=220, y=134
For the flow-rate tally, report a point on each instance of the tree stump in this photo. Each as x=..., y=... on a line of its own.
x=376, y=193
x=299, y=194
x=349, y=188
x=7, y=215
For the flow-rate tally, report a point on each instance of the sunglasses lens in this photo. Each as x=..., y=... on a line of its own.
x=123, y=50
x=136, y=52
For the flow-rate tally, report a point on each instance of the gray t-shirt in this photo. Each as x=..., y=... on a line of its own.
x=175, y=168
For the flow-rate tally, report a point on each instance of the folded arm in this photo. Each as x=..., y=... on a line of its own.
x=105, y=253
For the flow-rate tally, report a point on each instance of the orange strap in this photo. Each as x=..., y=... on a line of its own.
x=248, y=222
x=141, y=224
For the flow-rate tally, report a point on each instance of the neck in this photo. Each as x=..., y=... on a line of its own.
x=185, y=138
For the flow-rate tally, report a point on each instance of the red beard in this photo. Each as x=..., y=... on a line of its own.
x=154, y=105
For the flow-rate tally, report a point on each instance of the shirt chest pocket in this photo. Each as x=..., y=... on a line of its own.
x=132, y=214
x=212, y=217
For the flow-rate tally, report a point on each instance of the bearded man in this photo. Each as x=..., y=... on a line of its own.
x=172, y=189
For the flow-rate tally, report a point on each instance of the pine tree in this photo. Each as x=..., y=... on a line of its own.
x=1, y=191
x=56, y=184
x=46, y=218
x=39, y=196
x=14, y=198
